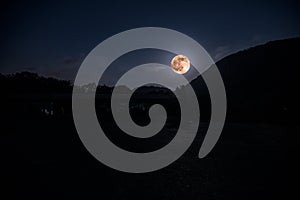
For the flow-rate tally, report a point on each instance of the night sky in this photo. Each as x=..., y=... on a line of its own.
x=52, y=38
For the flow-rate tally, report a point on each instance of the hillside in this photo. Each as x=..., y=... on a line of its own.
x=261, y=82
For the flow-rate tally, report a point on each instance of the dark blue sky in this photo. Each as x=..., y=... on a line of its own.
x=51, y=38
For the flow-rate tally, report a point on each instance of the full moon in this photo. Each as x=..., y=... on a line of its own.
x=180, y=64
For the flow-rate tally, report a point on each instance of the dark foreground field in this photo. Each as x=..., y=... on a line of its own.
x=44, y=158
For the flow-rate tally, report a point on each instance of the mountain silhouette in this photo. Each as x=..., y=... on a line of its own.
x=260, y=82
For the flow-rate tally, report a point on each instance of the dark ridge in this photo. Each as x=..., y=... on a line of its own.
x=261, y=82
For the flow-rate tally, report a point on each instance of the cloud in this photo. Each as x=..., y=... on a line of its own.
x=69, y=60
x=257, y=38
x=221, y=52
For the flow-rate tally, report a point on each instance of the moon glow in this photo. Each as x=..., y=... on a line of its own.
x=180, y=64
